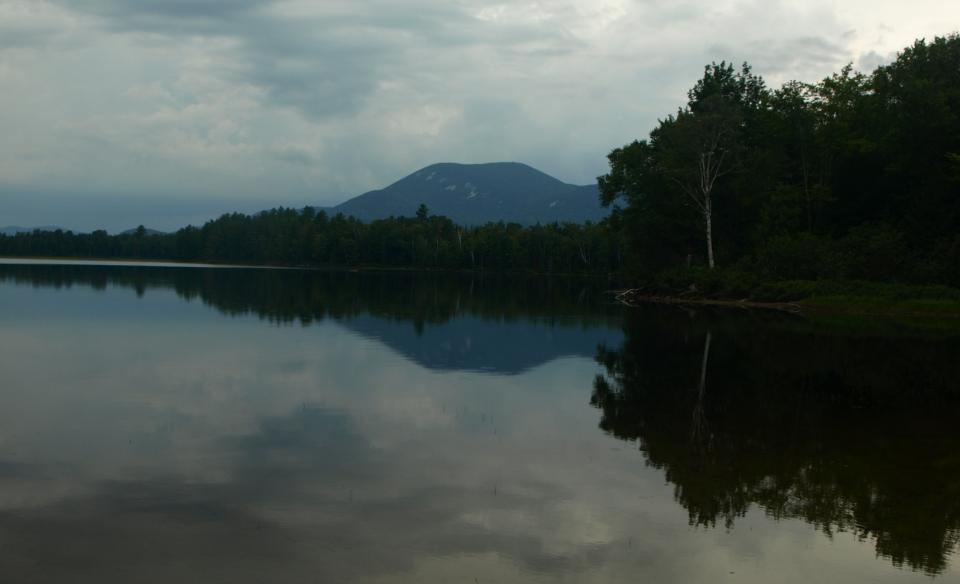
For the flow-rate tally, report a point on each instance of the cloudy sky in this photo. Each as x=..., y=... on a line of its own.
x=165, y=112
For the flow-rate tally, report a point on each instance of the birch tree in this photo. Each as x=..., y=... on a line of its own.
x=702, y=144
x=695, y=151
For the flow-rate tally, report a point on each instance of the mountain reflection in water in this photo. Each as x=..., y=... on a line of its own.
x=850, y=432
x=448, y=322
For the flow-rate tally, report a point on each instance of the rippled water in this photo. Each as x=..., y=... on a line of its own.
x=163, y=424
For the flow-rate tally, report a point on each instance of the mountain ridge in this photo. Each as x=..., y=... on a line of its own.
x=474, y=194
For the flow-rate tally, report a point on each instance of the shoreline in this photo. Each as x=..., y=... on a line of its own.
x=807, y=306
x=132, y=262
x=626, y=298
x=822, y=305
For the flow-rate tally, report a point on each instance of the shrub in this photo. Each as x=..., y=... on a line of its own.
x=874, y=252
x=800, y=256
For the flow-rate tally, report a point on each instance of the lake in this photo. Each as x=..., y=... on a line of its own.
x=197, y=424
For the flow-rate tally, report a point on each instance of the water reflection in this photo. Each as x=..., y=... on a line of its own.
x=167, y=425
x=446, y=322
x=851, y=431
x=145, y=438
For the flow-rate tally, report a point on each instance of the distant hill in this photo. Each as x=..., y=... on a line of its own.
x=147, y=231
x=14, y=229
x=478, y=193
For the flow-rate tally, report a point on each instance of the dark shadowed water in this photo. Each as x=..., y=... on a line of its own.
x=163, y=424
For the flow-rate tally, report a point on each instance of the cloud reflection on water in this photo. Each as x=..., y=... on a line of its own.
x=151, y=439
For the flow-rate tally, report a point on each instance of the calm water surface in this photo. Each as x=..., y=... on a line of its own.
x=163, y=424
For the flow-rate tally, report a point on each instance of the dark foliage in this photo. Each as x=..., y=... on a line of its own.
x=856, y=177
x=310, y=238
x=851, y=430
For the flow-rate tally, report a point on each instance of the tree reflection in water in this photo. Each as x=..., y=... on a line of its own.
x=849, y=430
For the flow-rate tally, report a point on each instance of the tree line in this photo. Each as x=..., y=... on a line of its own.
x=310, y=237
x=852, y=178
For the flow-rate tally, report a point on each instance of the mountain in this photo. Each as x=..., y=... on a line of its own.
x=14, y=229
x=471, y=343
x=478, y=193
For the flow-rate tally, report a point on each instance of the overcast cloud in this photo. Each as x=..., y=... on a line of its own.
x=163, y=112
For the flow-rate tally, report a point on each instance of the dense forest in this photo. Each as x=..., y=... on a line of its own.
x=856, y=177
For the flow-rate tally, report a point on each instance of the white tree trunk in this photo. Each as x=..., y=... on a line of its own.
x=699, y=432
x=708, y=216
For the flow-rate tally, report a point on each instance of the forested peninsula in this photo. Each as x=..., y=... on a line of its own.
x=850, y=186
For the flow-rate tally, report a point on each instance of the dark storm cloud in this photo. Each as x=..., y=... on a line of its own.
x=171, y=16
x=326, y=63
x=300, y=63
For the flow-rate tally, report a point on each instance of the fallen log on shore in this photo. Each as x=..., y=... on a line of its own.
x=637, y=297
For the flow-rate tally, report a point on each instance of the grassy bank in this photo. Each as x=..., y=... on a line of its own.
x=869, y=297
x=731, y=287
